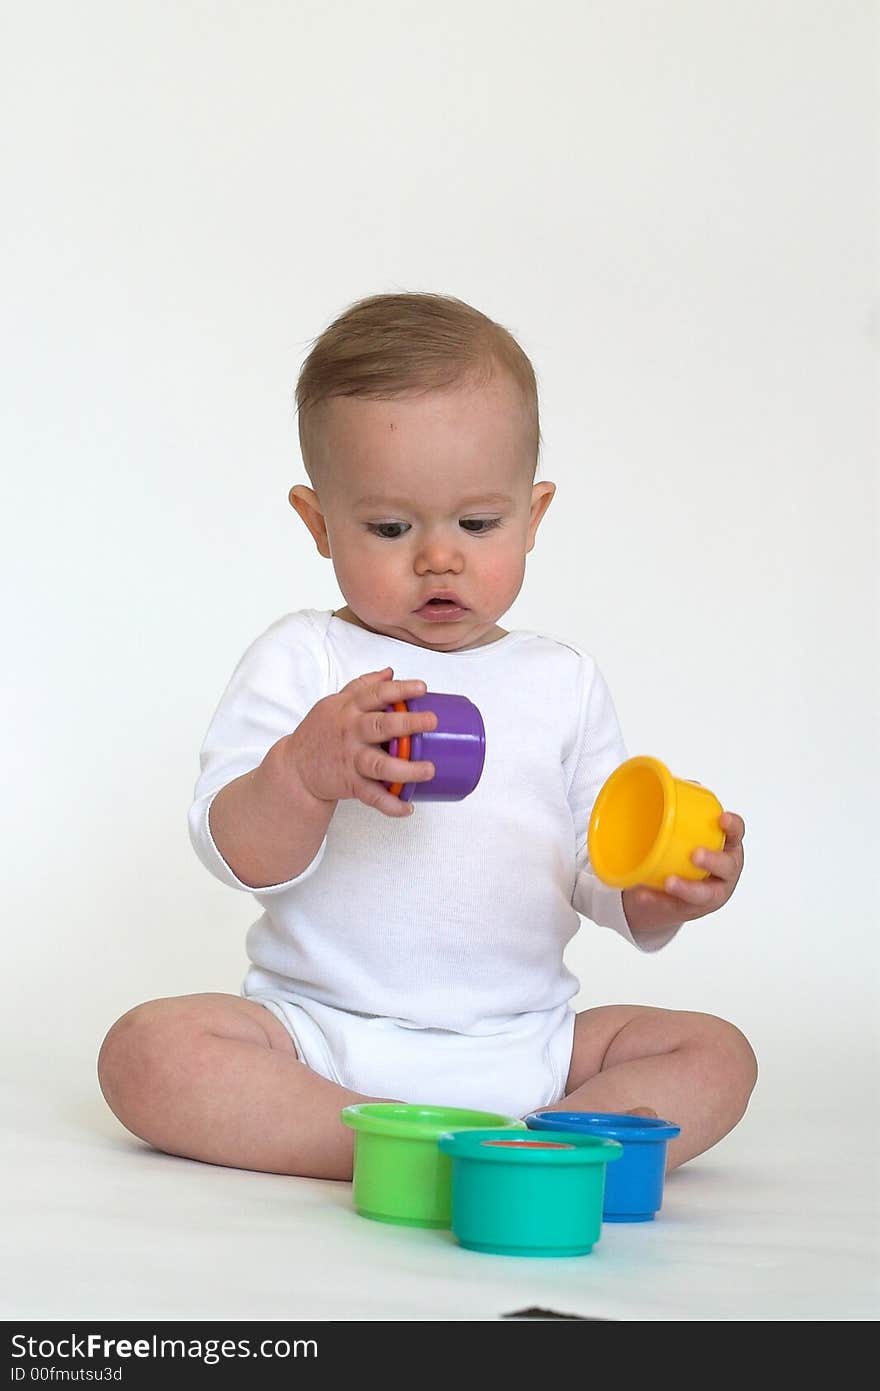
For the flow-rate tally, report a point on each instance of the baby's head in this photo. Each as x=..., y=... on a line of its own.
x=418, y=423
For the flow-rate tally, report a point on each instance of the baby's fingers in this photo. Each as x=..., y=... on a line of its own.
x=698, y=893
x=375, y=690
x=718, y=862
x=402, y=770
x=373, y=762
x=380, y=726
x=374, y=794
x=734, y=829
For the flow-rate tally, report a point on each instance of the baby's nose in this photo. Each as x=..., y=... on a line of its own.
x=439, y=557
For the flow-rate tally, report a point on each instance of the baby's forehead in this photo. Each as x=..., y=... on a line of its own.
x=490, y=412
x=456, y=440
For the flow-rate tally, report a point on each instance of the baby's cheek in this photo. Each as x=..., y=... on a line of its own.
x=503, y=572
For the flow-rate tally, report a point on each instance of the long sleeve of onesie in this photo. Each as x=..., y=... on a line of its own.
x=272, y=689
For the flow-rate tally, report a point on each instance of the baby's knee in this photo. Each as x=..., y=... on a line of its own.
x=729, y=1056
x=134, y=1057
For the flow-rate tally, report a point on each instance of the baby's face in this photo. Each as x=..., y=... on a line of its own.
x=427, y=493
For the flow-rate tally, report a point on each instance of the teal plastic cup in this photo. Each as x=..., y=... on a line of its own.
x=400, y=1175
x=527, y=1195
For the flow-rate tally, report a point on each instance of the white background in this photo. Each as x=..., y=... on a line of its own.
x=671, y=206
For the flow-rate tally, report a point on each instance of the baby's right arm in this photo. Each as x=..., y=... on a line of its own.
x=269, y=823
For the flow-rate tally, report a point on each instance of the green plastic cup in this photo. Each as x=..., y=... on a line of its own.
x=400, y=1174
x=528, y=1195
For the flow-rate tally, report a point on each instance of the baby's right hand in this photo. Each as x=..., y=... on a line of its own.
x=336, y=750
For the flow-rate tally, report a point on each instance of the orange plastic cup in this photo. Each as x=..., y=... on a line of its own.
x=646, y=824
x=403, y=749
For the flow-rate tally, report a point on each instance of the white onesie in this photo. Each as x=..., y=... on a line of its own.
x=421, y=958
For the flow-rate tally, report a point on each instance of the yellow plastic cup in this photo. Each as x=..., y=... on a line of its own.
x=646, y=824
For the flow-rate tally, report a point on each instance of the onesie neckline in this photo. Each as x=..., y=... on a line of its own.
x=512, y=636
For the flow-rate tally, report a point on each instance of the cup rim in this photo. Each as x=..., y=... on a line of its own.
x=639, y=873
x=414, y=1121
x=614, y=1124
x=501, y=1147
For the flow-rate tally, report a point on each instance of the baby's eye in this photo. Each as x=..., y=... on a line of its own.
x=382, y=528
x=392, y=531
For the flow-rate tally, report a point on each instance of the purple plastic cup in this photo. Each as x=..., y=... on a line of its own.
x=457, y=749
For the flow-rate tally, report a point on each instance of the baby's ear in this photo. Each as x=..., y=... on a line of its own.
x=305, y=501
x=300, y=494
x=542, y=496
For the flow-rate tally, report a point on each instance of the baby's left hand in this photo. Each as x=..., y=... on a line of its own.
x=685, y=899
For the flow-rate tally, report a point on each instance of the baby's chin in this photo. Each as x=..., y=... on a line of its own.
x=434, y=636
x=467, y=636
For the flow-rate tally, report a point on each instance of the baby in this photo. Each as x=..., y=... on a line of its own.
x=419, y=962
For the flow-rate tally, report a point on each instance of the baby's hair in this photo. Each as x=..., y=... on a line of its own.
x=388, y=346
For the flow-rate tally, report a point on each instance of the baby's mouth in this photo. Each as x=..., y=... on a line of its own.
x=442, y=603
x=441, y=608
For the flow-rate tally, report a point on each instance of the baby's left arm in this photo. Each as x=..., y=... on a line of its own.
x=682, y=900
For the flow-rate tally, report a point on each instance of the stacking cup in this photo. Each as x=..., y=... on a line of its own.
x=457, y=749
x=646, y=824
x=634, y=1188
x=527, y=1195
x=400, y=1174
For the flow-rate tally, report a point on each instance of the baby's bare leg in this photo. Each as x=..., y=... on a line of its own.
x=216, y=1078
x=693, y=1069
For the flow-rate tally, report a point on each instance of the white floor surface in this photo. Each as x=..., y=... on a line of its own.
x=777, y=1222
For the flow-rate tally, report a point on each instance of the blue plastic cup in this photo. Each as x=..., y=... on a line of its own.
x=634, y=1187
